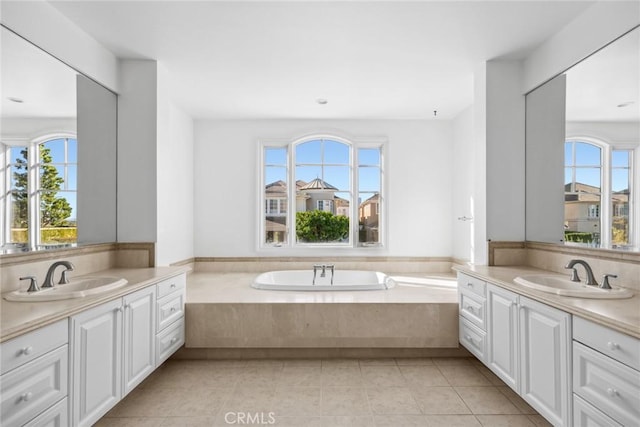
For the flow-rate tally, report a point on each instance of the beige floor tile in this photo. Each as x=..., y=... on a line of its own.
x=400, y=421
x=456, y=361
x=423, y=376
x=505, y=421
x=377, y=362
x=452, y=421
x=346, y=421
x=249, y=399
x=383, y=376
x=539, y=421
x=300, y=421
x=340, y=362
x=296, y=401
x=303, y=362
x=493, y=378
x=414, y=361
x=342, y=376
x=258, y=376
x=307, y=376
x=188, y=422
x=129, y=422
x=463, y=375
x=486, y=400
x=274, y=363
x=439, y=400
x=344, y=401
x=519, y=402
x=392, y=400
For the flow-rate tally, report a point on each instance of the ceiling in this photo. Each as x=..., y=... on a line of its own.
x=368, y=59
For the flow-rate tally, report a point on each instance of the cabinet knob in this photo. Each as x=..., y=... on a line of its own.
x=27, y=351
x=469, y=285
x=174, y=339
x=173, y=285
x=119, y=309
x=26, y=396
x=172, y=309
x=612, y=345
x=612, y=392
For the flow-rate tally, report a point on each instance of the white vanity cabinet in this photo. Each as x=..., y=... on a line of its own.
x=170, y=318
x=34, y=381
x=606, y=375
x=139, y=347
x=525, y=343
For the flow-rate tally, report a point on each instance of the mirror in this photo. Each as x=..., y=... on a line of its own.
x=583, y=152
x=57, y=152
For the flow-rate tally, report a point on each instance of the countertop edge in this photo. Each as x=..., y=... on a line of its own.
x=156, y=274
x=564, y=303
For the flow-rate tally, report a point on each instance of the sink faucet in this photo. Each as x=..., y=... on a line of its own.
x=591, y=280
x=48, y=281
x=323, y=271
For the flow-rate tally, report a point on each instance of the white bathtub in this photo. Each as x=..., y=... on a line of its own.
x=343, y=280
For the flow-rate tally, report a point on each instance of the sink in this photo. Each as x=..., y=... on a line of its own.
x=77, y=288
x=563, y=286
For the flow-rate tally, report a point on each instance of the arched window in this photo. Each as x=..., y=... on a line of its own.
x=335, y=199
x=598, y=192
x=39, y=196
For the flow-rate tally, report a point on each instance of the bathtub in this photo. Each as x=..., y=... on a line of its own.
x=343, y=280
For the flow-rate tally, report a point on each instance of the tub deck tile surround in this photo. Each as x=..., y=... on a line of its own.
x=303, y=392
x=223, y=311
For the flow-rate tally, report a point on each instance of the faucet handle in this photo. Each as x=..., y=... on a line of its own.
x=33, y=285
x=574, y=274
x=605, y=281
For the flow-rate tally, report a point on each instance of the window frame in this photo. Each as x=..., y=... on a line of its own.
x=34, y=190
x=606, y=187
x=289, y=145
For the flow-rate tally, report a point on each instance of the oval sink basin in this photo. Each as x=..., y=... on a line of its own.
x=77, y=288
x=565, y=287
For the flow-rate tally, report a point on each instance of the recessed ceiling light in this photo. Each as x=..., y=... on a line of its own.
x=16, y=100
x=625, y=104
x=321, y=101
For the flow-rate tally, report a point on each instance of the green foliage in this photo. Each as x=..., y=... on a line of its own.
x=49, y=235
x=577, y=236
x=54, y=210
x=321, y=226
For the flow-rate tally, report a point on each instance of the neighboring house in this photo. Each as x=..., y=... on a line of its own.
x=369, y=216
x=582, y=207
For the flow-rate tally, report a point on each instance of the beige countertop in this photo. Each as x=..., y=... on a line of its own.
x=17, y=318
x=622, y=315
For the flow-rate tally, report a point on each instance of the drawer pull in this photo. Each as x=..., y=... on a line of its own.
x=26, y=351
x=612, y=345
x=471, y=309
x=612, y=392
x=173, y=285
x=469, y=285
x=172, y=309
x=25, y=397
x=173, y=340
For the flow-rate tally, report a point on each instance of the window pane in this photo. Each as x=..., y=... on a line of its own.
x=369, y=218
x=568, y=156
x=72, y=151
x=338, y=176
x=369, y=179
x=275, y=156
x=273, y=174
x=336, y=152
x=52, y=151
x=309, y=152
x=19, y=220
x=620, y=180
x=588, y=180
x=71, y=182
x=587, y=154
x=57, y=217
x=369, y=156
x=620, y=158
x=568, y=179
x=308, y=173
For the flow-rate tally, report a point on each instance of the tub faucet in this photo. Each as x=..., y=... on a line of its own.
x=48, y=281
x=323, y=271
x=591, y=280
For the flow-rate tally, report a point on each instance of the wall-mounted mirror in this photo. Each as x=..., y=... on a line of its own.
x=57, y=152
x=583, y=152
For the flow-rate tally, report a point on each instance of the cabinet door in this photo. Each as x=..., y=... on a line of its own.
x=139, y=337
x=545, y=358
x=502, y=334
x=97, y=362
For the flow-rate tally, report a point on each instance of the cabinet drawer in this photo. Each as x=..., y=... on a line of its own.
x=170, y=340
x=473, y=339
x=33, y=387
x=31, y=345
x=56, y=416
x=608, y=385
x=621, y=347
x=473, y=308
x=584, y=414
x=170, y=308
x=171, y=284
x=471, y=284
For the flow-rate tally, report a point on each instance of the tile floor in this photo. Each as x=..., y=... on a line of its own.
x=438, y=392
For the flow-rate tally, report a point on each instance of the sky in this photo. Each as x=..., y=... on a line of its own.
x=587, y=162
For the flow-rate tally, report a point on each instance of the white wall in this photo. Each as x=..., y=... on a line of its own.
x=462, y=180
x=597, y=26
x=41, y=23
x=175, y=184
x=611, y=132
x=419, y=188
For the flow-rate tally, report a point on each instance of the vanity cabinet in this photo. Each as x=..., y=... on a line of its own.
x=606, y=375
x=34, y=381
x=139, y=337
x=170, y=319
x=524, y=342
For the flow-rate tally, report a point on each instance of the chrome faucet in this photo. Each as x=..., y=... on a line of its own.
x=48, y=280
x=591, y=280
x=323, y=271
